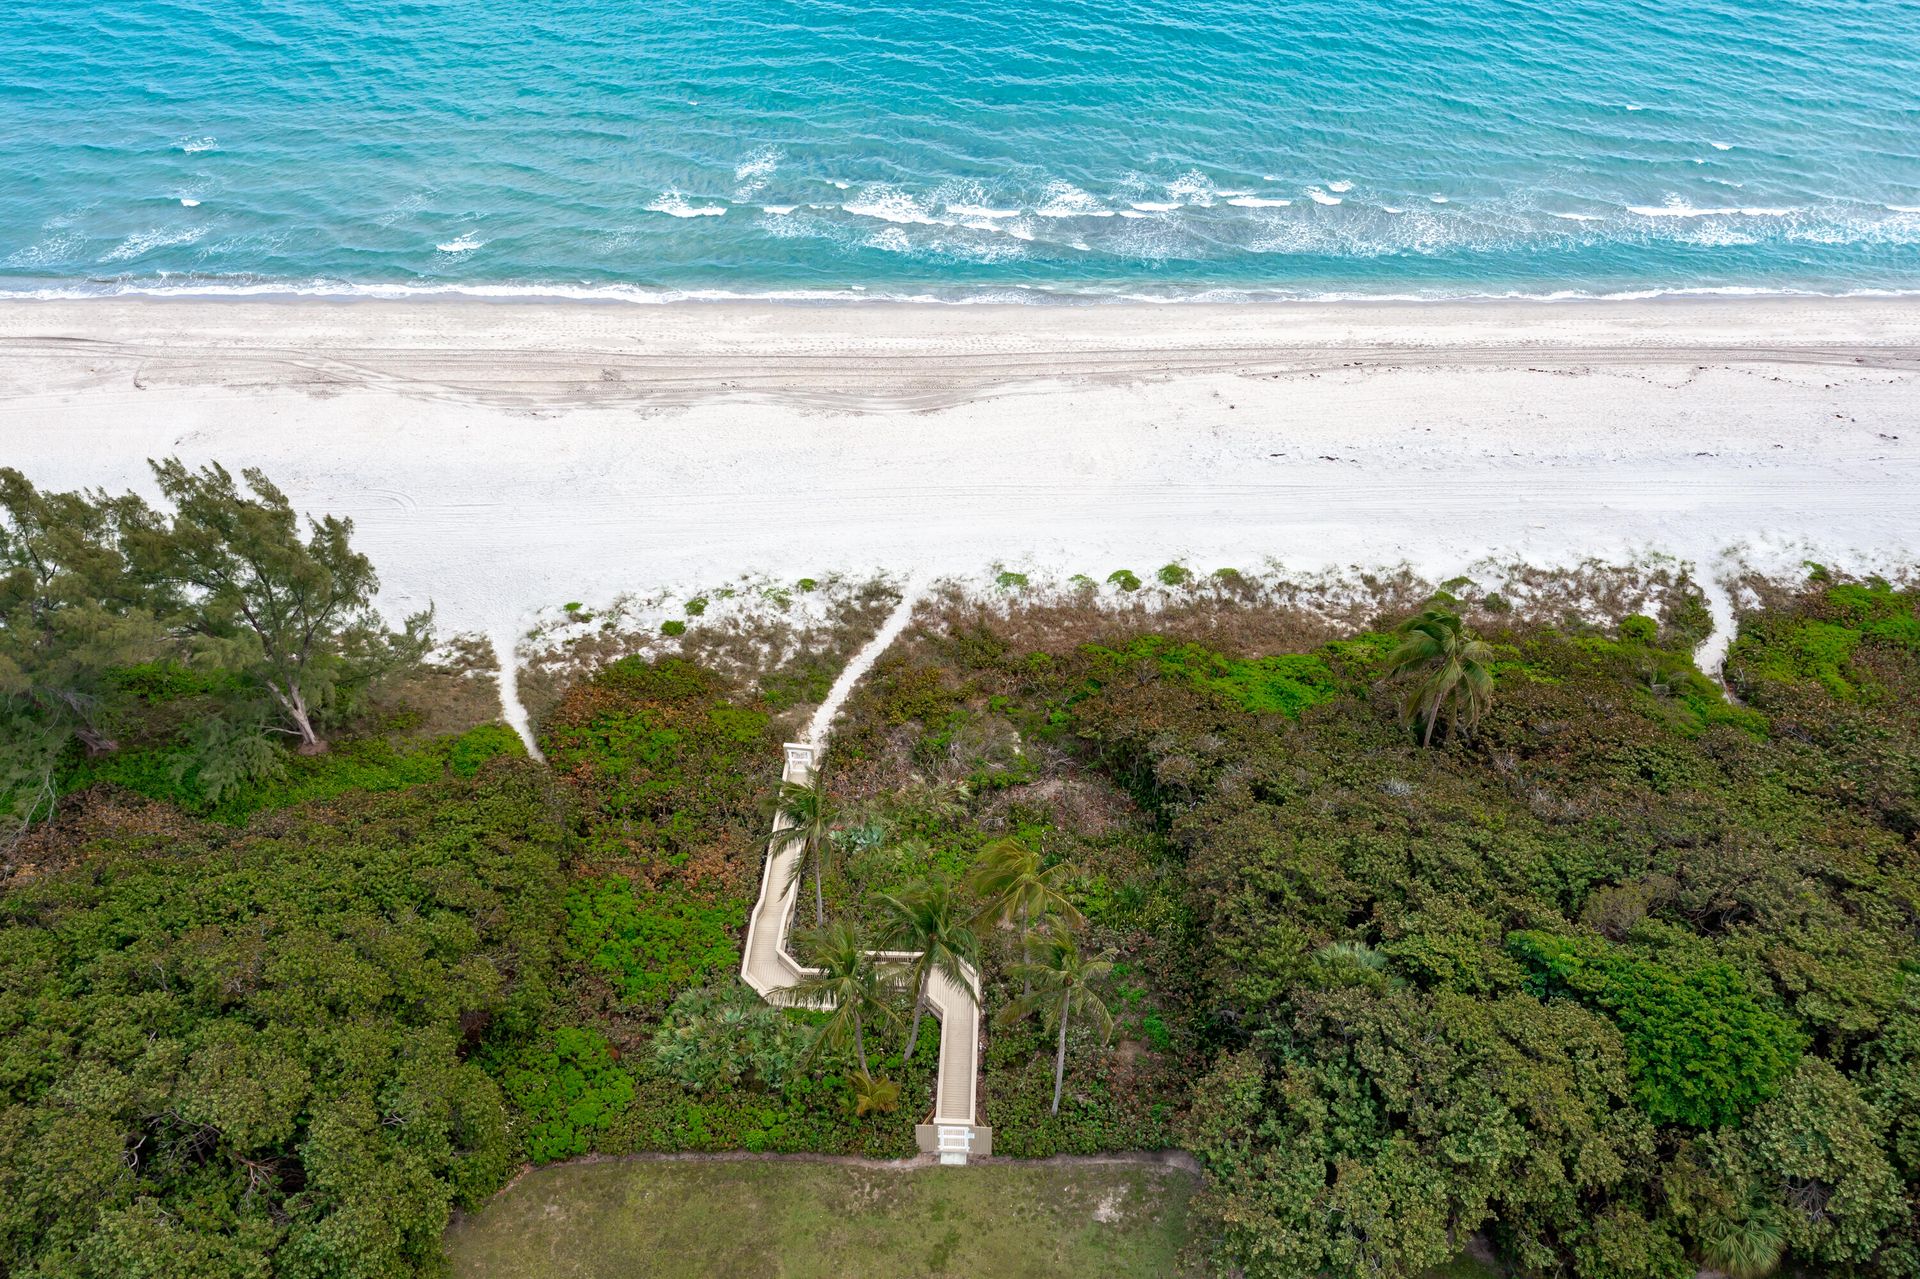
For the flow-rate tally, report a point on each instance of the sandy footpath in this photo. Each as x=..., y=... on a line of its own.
x=499, y=458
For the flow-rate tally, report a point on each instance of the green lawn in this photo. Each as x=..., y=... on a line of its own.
x=626, y=1218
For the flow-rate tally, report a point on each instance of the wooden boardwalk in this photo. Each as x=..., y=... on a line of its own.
x=769, y=967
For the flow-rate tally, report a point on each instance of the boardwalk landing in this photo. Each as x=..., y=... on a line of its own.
x=769, y=968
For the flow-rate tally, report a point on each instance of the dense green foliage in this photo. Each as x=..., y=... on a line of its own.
x=168, y=770
x=1502, y=985
x=649, y=943
x=568, y=1089
x=1700, y=1049
x=232, y=1054
x=1625, y=979
x=665, y=763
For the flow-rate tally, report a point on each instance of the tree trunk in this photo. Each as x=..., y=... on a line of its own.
x=919, y=1005
x=1026, y=955
x=860, y=1044
x=819, y=899
x=97, y=743
x=310, y=741
x=1060, y=1062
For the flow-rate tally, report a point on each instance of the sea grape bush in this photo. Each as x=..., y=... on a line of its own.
x=568, y=1088
x=650, y=942
x=245, y=1052
x=1701, y=1049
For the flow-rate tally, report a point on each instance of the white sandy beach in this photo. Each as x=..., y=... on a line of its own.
x=497, y=458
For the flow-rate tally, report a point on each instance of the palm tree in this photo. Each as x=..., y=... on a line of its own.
x=1457, y=672
x=813, y=817
x=848, y=984
x=1012, y=887
x=924, y=917
x=874, y=1096
x=1748, y=1245
x=1065, y=978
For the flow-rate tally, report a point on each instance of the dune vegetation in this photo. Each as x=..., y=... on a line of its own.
x=1458, y=924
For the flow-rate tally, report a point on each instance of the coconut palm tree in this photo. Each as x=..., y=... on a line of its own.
x=848, y=984
x=924, y=917
x=813, y=816
x=1013, y=888
x=1065, y=978
x=1456, y=672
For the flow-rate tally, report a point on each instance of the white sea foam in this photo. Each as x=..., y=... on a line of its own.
x=1438, y=199
x=1065, y=200
x=757, y=164
x=751, y=174
x=980, y=211
x=1270, y=177
x=889, y=203
x=1131, y=213
x=62, y=247
x=1391, y=208
x=892, y=239
x=1192, y=187
x=778, y=208
x=1156, y=206
x=674, y=204
x=1228, y=195
x=1340, y=186
x=1321, y=197
x=1677, y=208
x=147, y=241
x=1721, y=146
x=1259, y=202
x=194, y=145
x=1021, y=230
x=326, y=288
x=466, y=242
x=1905, y=208
x=1578, y=217
x=188, y=202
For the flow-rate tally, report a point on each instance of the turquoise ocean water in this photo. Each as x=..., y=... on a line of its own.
x=960, y=149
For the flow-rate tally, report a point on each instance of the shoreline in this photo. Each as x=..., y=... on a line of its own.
x=1015, y=298
x=499, y=458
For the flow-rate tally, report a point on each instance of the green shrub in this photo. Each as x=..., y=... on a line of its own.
x=568, y=1088
x=1638, y=629
x=1283, y=684
x=716, y=1039
x=1123, y=578
x=652, y=944
x=293, y=996
x=1174, y=575
x=172, y=773
x=663, y=761
x=1011, y=581
x=696, y=606
x=673, y=628
x=1701, y=1049
x=806, y=584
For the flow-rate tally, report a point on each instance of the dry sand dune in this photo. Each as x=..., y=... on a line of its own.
x=499, y=458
